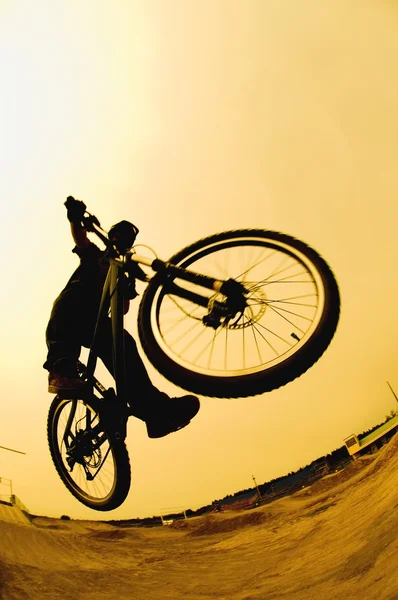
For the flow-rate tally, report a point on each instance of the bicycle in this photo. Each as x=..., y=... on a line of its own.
x=235, y=314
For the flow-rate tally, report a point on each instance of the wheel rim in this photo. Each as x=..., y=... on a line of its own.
x=94, y=453
x=285, y=304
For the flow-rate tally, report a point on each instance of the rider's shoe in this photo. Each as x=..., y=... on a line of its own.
x=61, y=384
x=171, y=415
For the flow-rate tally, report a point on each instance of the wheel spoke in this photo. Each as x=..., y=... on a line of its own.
x=208, y=345
x=174, y=323
x=256, y=264
x=257, y=326
x=257, y=344
x=290, y=313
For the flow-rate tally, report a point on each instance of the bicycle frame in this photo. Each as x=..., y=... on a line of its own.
x=112, y=297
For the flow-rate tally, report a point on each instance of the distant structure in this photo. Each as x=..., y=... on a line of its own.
x=172, y=513
x=373, y=441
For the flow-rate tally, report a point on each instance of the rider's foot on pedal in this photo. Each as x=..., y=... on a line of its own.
x=60, y=384
x=171, y=415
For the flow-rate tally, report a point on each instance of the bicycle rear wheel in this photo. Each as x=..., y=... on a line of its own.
x=91, y=462
x=291, y=314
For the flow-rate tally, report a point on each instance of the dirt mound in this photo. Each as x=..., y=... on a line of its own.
x=333, y=480
x=355, y=472
x=115, y=534
x=385, y=454
x=221, y=524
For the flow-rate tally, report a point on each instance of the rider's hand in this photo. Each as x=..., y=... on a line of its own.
x=76, y=209
x=130, y=290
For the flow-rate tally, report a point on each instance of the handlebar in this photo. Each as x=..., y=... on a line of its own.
x=91, y=224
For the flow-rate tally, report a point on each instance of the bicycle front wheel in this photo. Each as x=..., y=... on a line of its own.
x=91, y=462
x=291, y=315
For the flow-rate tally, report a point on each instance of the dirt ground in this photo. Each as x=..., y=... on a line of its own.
x=336, y=539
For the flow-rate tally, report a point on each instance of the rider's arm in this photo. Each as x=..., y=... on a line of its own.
x=79, y=235
x=76, y=210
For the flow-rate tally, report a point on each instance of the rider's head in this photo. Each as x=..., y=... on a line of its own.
x=123, y=235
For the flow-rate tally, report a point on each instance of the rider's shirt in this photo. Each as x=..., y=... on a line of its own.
x=91, y=273
x=88, y=279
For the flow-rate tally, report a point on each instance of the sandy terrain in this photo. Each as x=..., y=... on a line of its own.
x=337, y=539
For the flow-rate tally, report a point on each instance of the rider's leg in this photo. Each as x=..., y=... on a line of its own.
x=140, y=388
x=63, y=342
x=161, y=413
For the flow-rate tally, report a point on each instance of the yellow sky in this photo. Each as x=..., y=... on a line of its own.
x=189, y=118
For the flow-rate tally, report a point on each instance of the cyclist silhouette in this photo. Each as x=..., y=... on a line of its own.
x=71, y=326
